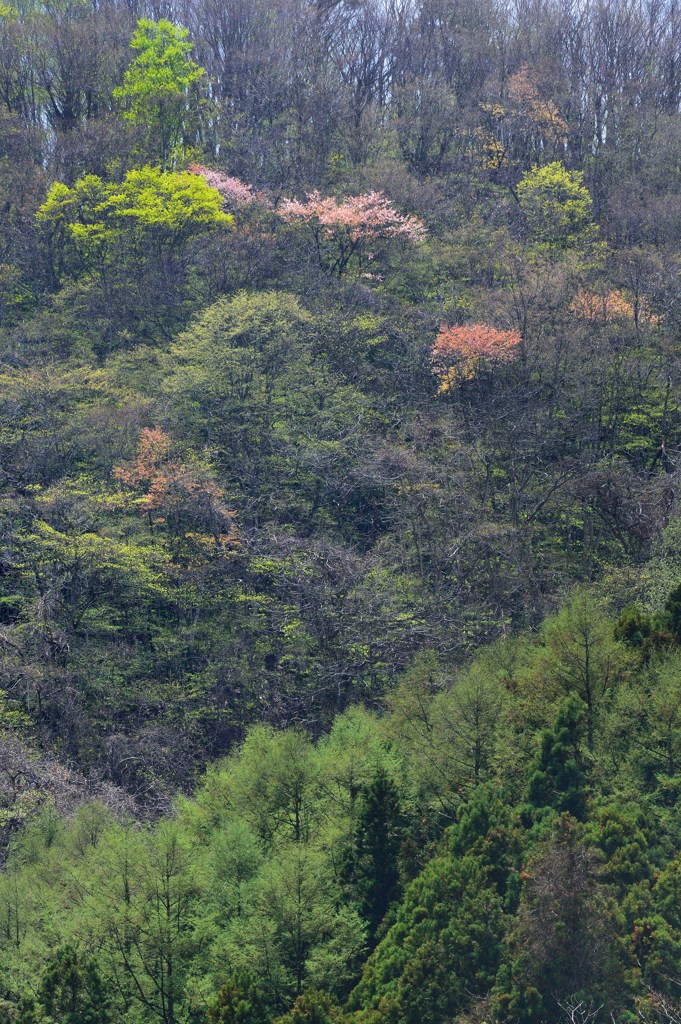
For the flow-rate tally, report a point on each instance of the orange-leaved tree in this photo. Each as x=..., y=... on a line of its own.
x=460, y=352
x=613, y=307
x=182, y=497
x=351, y=229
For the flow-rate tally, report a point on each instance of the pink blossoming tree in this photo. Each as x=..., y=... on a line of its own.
x=234, y=192
x=349, y=230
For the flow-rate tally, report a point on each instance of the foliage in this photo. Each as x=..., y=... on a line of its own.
x=613, y=306
x=339, y=650
x=158, y=85
x=72, y=990
x=373, y=860
x=235, y=193
x=559, y=780
x=170, y=206
x=557, y=205
x=459, y=353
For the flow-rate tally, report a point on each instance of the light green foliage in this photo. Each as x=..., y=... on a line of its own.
x=663, y=572
x=169, y=207
x=159, y=85
x=275, y=881
x=557, y=206
x=248, y=382
x=447, y=728
x=349, y=757
x=126, y=244
x=579, y=655
x=273, y=784
x=248, y=553
x=644, y=728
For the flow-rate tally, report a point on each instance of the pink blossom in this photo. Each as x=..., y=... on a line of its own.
x=234, y=192
x=364, y=217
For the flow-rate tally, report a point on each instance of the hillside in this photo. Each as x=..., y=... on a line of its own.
x=340, y=558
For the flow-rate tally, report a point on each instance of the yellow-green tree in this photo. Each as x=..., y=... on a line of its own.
x=159, y=88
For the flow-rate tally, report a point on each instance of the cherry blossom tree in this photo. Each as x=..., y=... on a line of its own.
x=235, y=193
x=350, y=230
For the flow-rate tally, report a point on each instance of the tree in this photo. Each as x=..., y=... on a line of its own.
x=274, y=784
x=444, y=948
x=235, y=193
x=557, y=206
x=144, y=910
x=129, y=242
x=72, y=990
x=559, y=779
x=239, y=1001
x=249, y=382
x=349, y=231
x=459, y=353
x=292, y=931
x=372, y=866
x=312, y=1008
x=147, y=204
x=580, y=655
x=644, y=728
x=182, y=497
x=563, y=947
x=159, y=87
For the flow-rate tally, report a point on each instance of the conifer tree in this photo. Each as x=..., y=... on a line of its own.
x=373, y=866
x=559, y=779
x=72, y=990
x=239, y=1001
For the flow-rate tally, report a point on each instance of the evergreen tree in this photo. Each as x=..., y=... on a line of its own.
x=72, y=990
x=672, y=613
x=559, y=779
x=562, y=948
x=312, y=1008
x=239, y=1001
x=373, y=866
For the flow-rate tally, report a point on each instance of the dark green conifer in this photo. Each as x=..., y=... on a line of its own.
x=72, y=990
x=373, y=864
x=559, y=779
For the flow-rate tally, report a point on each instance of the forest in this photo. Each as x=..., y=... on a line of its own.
x=340, y=546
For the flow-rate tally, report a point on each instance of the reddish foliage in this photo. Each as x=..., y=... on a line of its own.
x=458, y=352
x=181, y=496
x=153, y=449
x=611, y=307
x=341, y=228
x=541, y=113
x=368, y=216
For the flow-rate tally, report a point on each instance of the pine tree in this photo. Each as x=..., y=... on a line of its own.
x=239, y=1001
